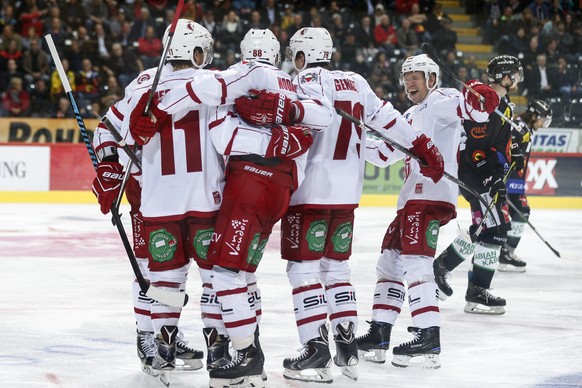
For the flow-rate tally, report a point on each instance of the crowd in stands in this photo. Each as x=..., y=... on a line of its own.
x=104, y=44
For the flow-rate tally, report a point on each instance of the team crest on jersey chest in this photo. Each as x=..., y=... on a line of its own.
x=143, y=78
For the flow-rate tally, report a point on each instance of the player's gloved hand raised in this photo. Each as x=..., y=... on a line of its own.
x=264, y=108
x=434, y=167
x=141, y=126
x=517, y=157
x=490, y=96
x=107, y=184
x=289, y=141
x=497, y=189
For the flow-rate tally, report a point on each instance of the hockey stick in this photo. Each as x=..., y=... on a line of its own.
x=512, y=205
x=176, y=299
x=428, y=50
x=405, y=151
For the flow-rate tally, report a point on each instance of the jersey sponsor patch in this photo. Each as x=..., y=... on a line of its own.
x=432, y=233
x=342, y=238
x=479, y=132
x=316, y=236
x=162, y=245
x=202, y=242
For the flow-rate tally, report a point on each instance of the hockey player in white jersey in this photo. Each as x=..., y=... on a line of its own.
x=316, y=231
x=424, y=205
x=247, y=214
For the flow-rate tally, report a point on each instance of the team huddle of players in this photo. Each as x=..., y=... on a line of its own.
x=225, y=155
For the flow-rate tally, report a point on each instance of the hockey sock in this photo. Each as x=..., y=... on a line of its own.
x=423, y=303
x=172, y=280
x=514, y=235
x=254, y=293
x=457, y=252
x=339, y=292
x=484, y=263
x=239, y=319
x=209, y=303
x=388, y=300
x=141, y=308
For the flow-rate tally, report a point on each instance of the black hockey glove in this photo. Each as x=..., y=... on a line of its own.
x=497, y=189
x=517, y=157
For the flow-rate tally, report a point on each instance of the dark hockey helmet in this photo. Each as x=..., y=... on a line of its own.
x=503, y=65
x=543, y=110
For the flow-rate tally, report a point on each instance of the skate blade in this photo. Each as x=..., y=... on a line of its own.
x=148, y=369
x=510, y=268
x=350, y=371
x=255, y=381
x=165, y=377
x=476, y=308
x=313, y=375
x=373, y=355
x=425, y=361
x=188, y=365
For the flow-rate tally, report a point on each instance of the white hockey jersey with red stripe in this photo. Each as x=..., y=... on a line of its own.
x=336, y=160
x=439, y=117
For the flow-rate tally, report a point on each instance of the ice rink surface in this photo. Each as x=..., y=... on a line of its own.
x=66, y=317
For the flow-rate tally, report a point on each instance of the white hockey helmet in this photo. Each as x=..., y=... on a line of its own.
x=421, y=63
x=187, y=36
x=261, y=46
x=314, y=42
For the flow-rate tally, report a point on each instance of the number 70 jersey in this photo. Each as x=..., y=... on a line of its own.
x=336, y=160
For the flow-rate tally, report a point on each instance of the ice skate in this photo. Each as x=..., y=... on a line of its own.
x=480, y=301
x=422, y=351
x=146, y=351
x=244, y=370
x=217, y=348
x=347, y=350
x=313, y=363
x=187, y=358
x=165, y=360
x=509, y=262
x=373, y=345
x=442, y=277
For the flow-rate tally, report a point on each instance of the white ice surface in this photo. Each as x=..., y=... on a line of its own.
x=66, y=317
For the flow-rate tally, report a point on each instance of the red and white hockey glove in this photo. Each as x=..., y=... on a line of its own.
x=289, y=142
x=434, y=167
x=107, y=184
x=490, y=96
x=264, y=108
x=141, y=126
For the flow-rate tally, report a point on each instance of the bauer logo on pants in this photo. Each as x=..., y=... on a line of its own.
x=162, y=245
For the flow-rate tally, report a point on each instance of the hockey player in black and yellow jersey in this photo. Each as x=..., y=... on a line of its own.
x=483, y=164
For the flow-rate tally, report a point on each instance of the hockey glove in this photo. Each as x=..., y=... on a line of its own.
x=434, y=166
x=490, y=97
x=517, y=157
x=264, y=108
x=497, y=189
x=289, y=142
x=141, y=126
x=107, y=184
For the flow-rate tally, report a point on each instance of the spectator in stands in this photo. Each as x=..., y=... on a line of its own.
x=270, y=13
x=29, y=37
x=493, y=14
x=566, y=80
x=123, y=64
x=527, y=21
x=35, y=63
x=540, y=10
x=433, y=20
x=102, y=42
x=11, y=52
x=12, y=71
x=540, y=80
x=74, y=14
x=149, y=48
x=531, y=54
x=565, y=39
x=401, y=102
x=452, y=63
x=209, y=22
x=407, y=39
x=297, y=24
x=111, y=93
x=138, y=29
x=337, y=29
x=517, y=43
x=32, y=18
x=364, y=32
x=88, y=81
x=39, y=98
x=231, y=31
x=15, y=101
x=288, y=17
x=417, y=20
x=446, y=39
x=62, y=109
x=552, y=53
x=7, y=16
x=256, y=22
x=9, y=35
x=192, y=10
x=385, y=35
x=382, y=72
x=57, y=31
x=97, y=13
x=56, y=89
x=577, y=46
x=506, y=28
x=379, y=12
